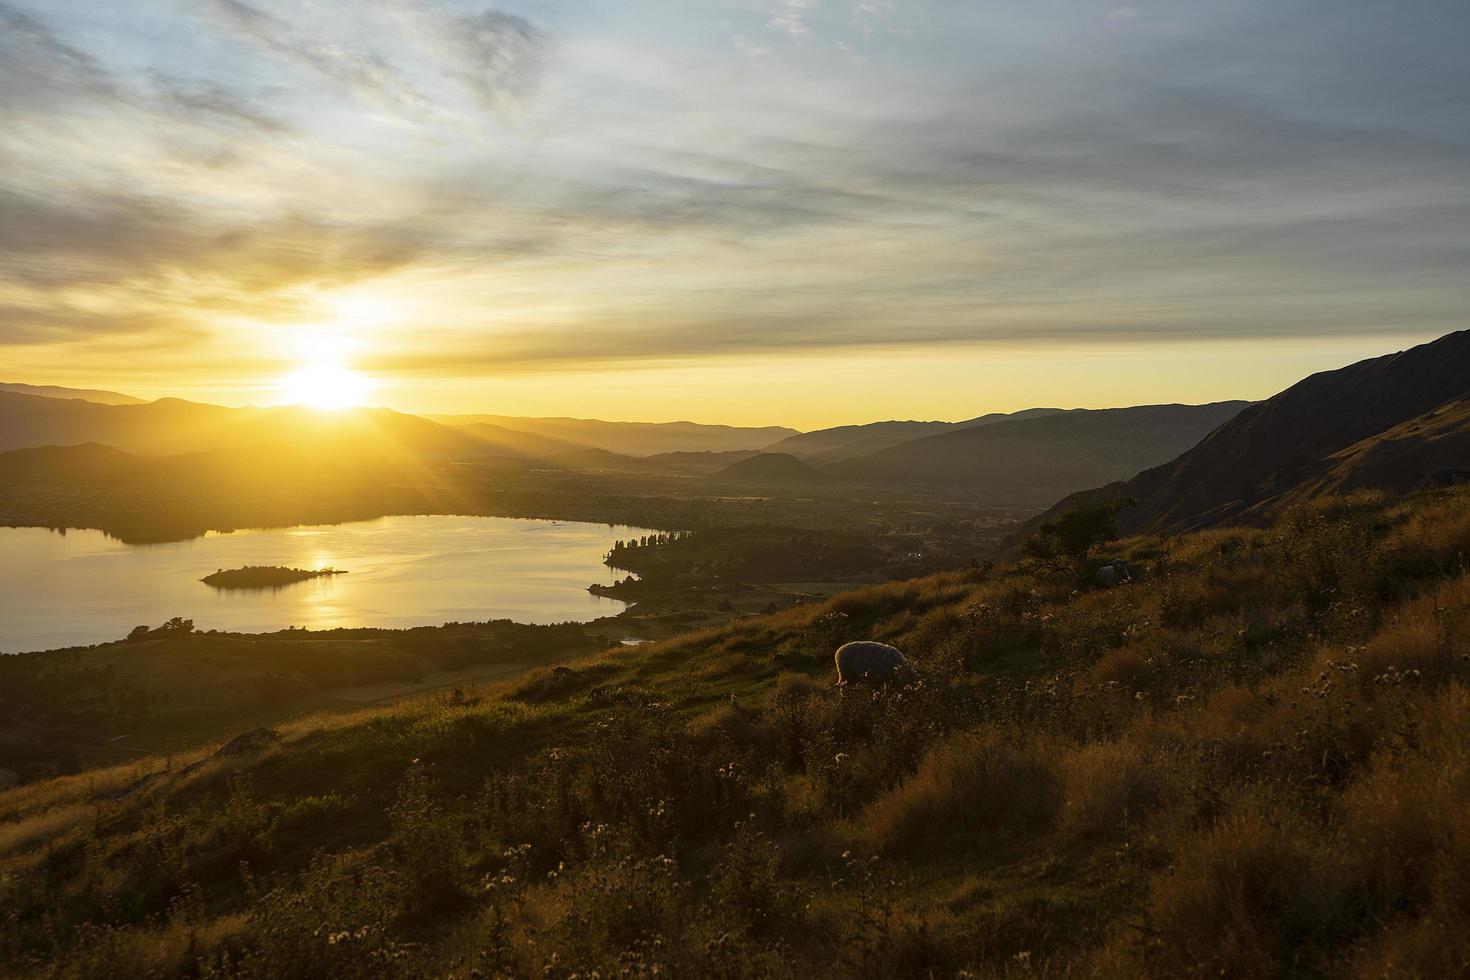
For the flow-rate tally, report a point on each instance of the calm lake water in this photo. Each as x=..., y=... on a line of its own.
x=83, y=587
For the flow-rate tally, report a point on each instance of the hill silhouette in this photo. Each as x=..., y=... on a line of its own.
x=850, y=441
x=771, y=470
x=172, y=426
x=87, y=463
x=633, y=438
x=1389, y=422
x=84, y=394
x=665, y=464
x=1039, y=459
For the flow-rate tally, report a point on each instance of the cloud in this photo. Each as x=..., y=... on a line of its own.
x=749, y=48
x=360, y=71
x=503, y=55
x=214, y=103
x=37, y=67
x=1123, y=13
x=790, y=17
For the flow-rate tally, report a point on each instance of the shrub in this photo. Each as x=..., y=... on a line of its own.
x=1104, y=784
x=975, y=784
x=1259, y=890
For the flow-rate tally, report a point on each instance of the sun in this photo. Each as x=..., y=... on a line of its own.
x=326, y=384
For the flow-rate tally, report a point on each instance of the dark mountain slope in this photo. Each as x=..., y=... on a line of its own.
x=1390, y=422
x=1029, y=461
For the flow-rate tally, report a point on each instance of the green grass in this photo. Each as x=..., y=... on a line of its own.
x=1251, y=762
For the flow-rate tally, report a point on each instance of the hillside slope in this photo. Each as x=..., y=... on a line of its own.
x=1250, y=767
x=1388, y=422
x=1038, y=459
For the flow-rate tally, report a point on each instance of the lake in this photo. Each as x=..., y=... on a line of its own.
x=78, y=587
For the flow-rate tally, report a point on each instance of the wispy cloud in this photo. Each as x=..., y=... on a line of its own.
x=358, y=69
x=790, y=17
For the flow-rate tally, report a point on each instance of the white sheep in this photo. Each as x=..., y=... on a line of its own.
x=877, y=662
x=1114, y=573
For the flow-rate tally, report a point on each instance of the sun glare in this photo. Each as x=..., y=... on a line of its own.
x=326, y=385
x=323, y=380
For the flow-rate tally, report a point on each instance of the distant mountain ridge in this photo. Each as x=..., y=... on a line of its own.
x=851, y=441
x=171, y=426
x=1032, y=460
x=84, y=394
x=1390, y=422
x=632, y=438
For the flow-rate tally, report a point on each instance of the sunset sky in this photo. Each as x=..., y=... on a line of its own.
x=805, y=212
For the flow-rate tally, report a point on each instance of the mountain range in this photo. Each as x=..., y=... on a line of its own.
x=1393, y=423
x=1036, y=458
x=1028, y=458
x=850, y=441
x=628, y=438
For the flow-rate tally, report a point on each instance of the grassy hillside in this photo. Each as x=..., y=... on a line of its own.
x=1250, y=762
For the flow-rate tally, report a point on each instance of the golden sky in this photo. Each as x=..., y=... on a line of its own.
x=805, y=212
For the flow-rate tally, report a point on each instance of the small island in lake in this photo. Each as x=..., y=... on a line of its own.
x=264, y=576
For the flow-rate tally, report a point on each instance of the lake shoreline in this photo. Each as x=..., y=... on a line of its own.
x=79, y=588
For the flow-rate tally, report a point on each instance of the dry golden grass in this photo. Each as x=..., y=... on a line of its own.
x=976, y=784
x=1243, y=895
x=42, y=826
x=1106, y=783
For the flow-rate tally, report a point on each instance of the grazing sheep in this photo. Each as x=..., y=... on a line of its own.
x=877, y=662
x=1114, y=573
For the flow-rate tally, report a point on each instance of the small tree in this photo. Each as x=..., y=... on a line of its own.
x=1067, y=544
